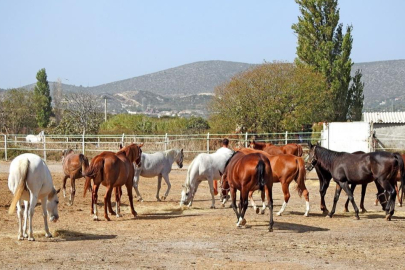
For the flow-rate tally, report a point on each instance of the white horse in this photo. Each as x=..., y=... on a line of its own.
x=35, y=138
x=158, y=164
x=204, y=167
x=30, y=180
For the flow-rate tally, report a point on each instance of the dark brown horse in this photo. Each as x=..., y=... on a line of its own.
x=74, y=165
x=248, y=172
x=346, y=168
x=285, y=169
x=113, y=170
x=291, y=148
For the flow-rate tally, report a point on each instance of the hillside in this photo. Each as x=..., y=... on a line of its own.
x=384, y=85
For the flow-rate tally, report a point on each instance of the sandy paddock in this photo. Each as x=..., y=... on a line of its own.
x=165, y=237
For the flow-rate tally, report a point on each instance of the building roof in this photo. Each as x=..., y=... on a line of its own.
x=384, y=117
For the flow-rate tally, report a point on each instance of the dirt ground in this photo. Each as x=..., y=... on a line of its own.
x=165, y=237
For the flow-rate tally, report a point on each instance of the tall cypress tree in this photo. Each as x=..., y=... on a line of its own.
x=357, y=97
x=43, y=99
x=322, y=45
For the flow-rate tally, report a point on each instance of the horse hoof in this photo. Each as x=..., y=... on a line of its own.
x=140, y=200
x=376, y=204
x=243, y=223
x=346, y=210
x=363, y=210
x=306, y=215
x=262, y=212
x=325, y=211
x=328, y=216
x=20, y=237
x=113, y=213
x=388, y=217
x=257, y=210
x=271, y=230
x=107, y=218
x=48, y=235
x=69, y=203
x=158, y=199
x=25, y=235
x=164, y=198
x=400, y=204
x=212, y=207
x=118, y=216
x=223, y=205
x=31, y=239
x=278, y=214
x=95, y=218
x=357, y=218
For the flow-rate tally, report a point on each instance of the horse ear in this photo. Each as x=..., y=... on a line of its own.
x=120, y=145
x=57, y=191
x=310, y=145
x=140, y=145
x=220, y=174
x=182, y=150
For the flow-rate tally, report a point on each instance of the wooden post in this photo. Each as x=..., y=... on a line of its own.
x=83, y=148
x=166, y=141
x=286, y=137
x=246, y=139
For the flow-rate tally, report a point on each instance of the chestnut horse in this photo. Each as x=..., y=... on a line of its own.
x=248, y=172
x=346, y=168
x=113, y=170
x=74, y=165
x=291, y=148
x=285, y=169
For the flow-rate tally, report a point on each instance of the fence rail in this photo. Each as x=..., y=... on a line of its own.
x=51, y=146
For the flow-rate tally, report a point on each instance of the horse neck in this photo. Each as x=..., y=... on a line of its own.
x=171, y=154
x=326, y=157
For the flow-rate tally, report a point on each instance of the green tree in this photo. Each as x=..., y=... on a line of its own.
x=270, y=98
x=16, y=111
x=42, y=99
x=323, y=46
x=357, y=97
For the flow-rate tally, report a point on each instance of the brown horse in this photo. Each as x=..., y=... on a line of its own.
x=291, y=148
x=74, y=165
x=113, y=170
x=248, y=172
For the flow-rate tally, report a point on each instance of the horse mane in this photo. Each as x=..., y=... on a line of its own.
x=326, y=157
x=229, y=160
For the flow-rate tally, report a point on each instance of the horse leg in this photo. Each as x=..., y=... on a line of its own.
x=158, y=187
x=335, y=199
x=252, y=202
x=345, y=186
x=269, y=193
x=20, y=222
x=33, y=203
x=45, y=215
x=233, y=198
x=131, y=199
x=323, y=187
x=169, y=185
x=390, y=208
x=352, y=188
x=118, y=201
x=94, y=198
x=244, y=204
x=286, y=191
x=399, y=195
x=73, y=190
x=107, y=201
x=363, y=194
x=26, y=207
x=135, y=184
x=211, y=185
x=64, y=185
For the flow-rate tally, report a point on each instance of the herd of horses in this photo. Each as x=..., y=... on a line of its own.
x=245, y=170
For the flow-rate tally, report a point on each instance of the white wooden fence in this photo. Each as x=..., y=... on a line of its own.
x=52, y=146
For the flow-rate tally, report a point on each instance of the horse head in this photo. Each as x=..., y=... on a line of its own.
x=179, y=159
x=52, y=205
x=312, y=159
x=66, y=152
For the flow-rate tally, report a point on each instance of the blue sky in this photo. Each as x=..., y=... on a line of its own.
x=94, y=42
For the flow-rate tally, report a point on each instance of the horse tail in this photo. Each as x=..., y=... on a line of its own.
x=260, y=170
x=95, y=168
x=85, y=163
x=401, y=170
x=301, y=176
x=300, y=151
x=23, y=167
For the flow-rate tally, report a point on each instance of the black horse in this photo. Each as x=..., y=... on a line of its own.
x=346, y=168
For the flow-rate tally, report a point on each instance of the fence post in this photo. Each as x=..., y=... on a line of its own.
x=208, y=143
x=165, y=141
x=122, y=139
x=286, y=137
x=246, y=139
x=44, y=147
x=5, y=147
x=83, y=148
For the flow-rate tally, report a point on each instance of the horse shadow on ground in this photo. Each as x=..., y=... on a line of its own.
x=165, y=215
x=295, y=227
x=68, y=235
